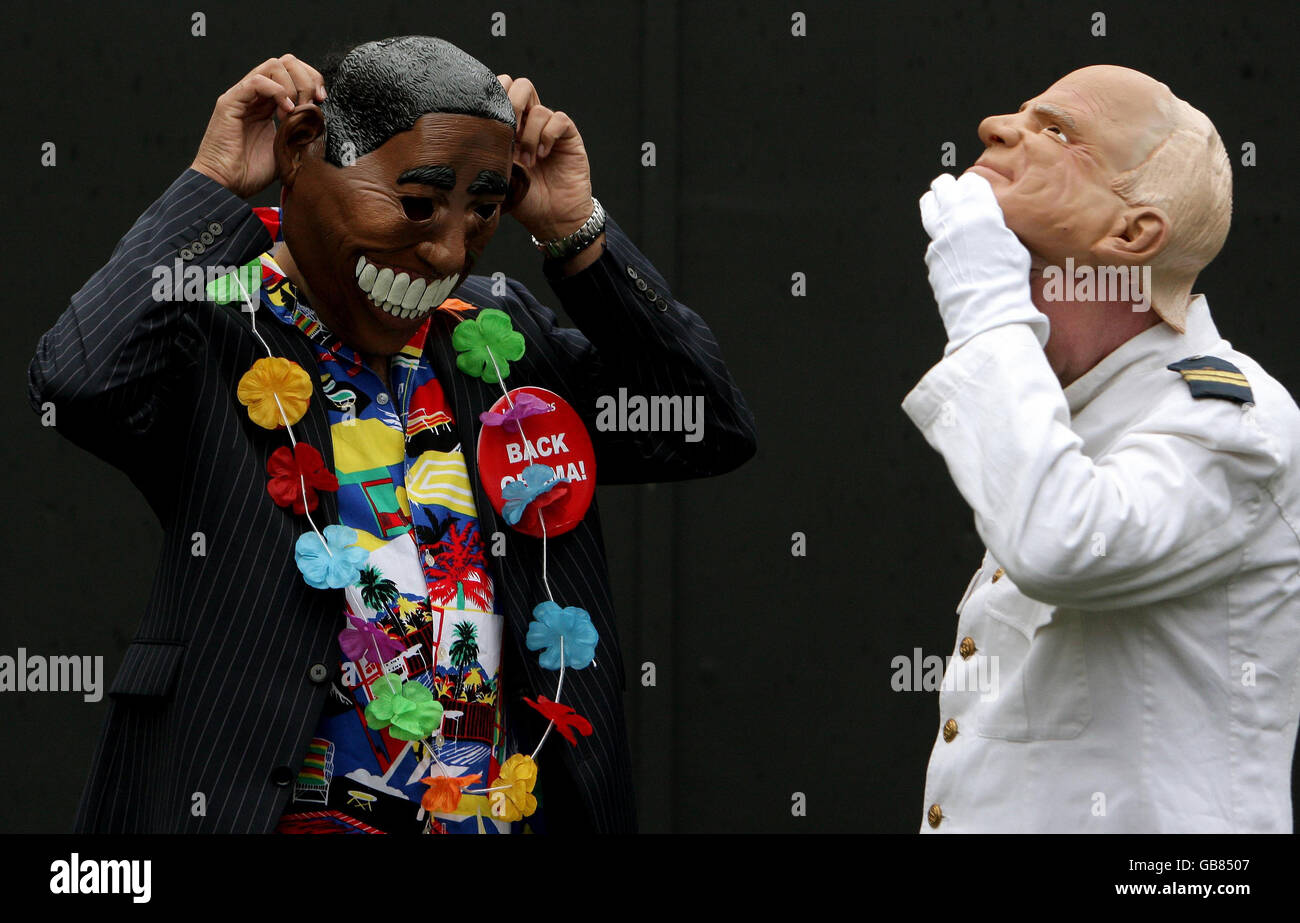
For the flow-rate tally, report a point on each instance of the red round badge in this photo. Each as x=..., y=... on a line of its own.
x=541, y=429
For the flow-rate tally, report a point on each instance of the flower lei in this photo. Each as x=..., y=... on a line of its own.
x=485, y=345
x=277, y=392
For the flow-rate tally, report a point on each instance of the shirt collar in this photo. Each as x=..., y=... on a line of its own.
x=1159, y=344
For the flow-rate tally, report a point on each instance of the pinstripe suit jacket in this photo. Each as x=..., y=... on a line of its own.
x=213, y=707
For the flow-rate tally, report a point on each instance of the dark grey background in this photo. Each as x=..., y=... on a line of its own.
x=776, y=155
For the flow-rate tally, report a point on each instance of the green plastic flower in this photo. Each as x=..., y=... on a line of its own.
x=407, y=709
x=481, y=339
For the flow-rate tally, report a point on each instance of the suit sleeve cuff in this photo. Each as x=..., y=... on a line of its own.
x=218, y=226
x=620, y=297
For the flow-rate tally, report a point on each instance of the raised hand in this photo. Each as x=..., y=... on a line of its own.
x=237, y=149
x=550, y=151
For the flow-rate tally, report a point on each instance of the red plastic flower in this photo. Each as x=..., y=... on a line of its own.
x=566, y=719
x=286, y=465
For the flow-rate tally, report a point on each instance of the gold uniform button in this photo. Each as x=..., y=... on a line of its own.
x=949, y=730
x=997, y=574
x=935, y=815
x=966, y=648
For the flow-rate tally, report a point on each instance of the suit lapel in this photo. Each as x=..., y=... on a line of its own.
x=313, y=428
x=470, y=396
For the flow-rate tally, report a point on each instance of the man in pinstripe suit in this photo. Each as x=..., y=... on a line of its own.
x=220, y=691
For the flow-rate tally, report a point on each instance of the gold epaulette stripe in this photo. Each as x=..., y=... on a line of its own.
x=1231, y=378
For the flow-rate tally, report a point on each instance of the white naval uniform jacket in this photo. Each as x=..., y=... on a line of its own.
x=1139, y=591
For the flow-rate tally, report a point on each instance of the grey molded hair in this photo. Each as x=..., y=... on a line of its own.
x=380, y=88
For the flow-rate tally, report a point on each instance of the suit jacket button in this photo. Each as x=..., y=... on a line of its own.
x=966, y=648
x=641, y=285
x=662, y=304
x=281, y=776
x=631, y=272
x=206, y=237
x=318, y=673
x=949, y=730
x=214, y=227
x=652, y=295
x=934, y=816
x=185, y=254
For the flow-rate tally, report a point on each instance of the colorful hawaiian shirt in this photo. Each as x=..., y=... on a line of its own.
x=424, y=608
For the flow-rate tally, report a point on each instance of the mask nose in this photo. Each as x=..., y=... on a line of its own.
x=444, y=255
x=999, y=129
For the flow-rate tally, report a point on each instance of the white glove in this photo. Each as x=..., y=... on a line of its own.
x=979, y=269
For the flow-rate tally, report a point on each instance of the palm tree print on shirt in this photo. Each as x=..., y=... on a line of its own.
x=377, y=591
x=393, y=612
x=457, y=568
x=464, y=651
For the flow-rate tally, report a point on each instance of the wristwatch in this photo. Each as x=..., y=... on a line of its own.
x=561, y=248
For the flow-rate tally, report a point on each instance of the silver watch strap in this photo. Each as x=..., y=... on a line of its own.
x=579, y=240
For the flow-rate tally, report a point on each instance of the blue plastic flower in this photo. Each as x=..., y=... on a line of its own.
x=537, y=480
x=572, y=624
x=336, y=568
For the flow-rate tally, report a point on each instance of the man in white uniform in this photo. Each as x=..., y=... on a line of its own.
x=1132, y=475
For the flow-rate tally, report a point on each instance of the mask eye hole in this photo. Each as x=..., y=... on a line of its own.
x=417, y=208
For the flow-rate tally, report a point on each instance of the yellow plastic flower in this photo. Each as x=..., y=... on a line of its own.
x=267, y=378
x=516, y=802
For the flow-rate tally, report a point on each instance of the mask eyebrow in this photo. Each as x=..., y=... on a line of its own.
x=439, y=176
x=489, y=182
x=1057, y=114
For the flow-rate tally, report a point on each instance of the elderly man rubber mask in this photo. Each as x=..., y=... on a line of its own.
x=1134, y=479
x=1106, y=168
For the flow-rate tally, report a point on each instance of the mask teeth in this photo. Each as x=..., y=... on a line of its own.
x=434, y=293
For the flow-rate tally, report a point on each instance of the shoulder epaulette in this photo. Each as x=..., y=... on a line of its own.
x=1209, y=376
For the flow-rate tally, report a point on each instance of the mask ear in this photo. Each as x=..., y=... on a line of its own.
x=519, y=185
x=298, y=131
x=1138, y=236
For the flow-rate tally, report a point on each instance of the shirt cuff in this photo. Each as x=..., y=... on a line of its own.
x=942, y=385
